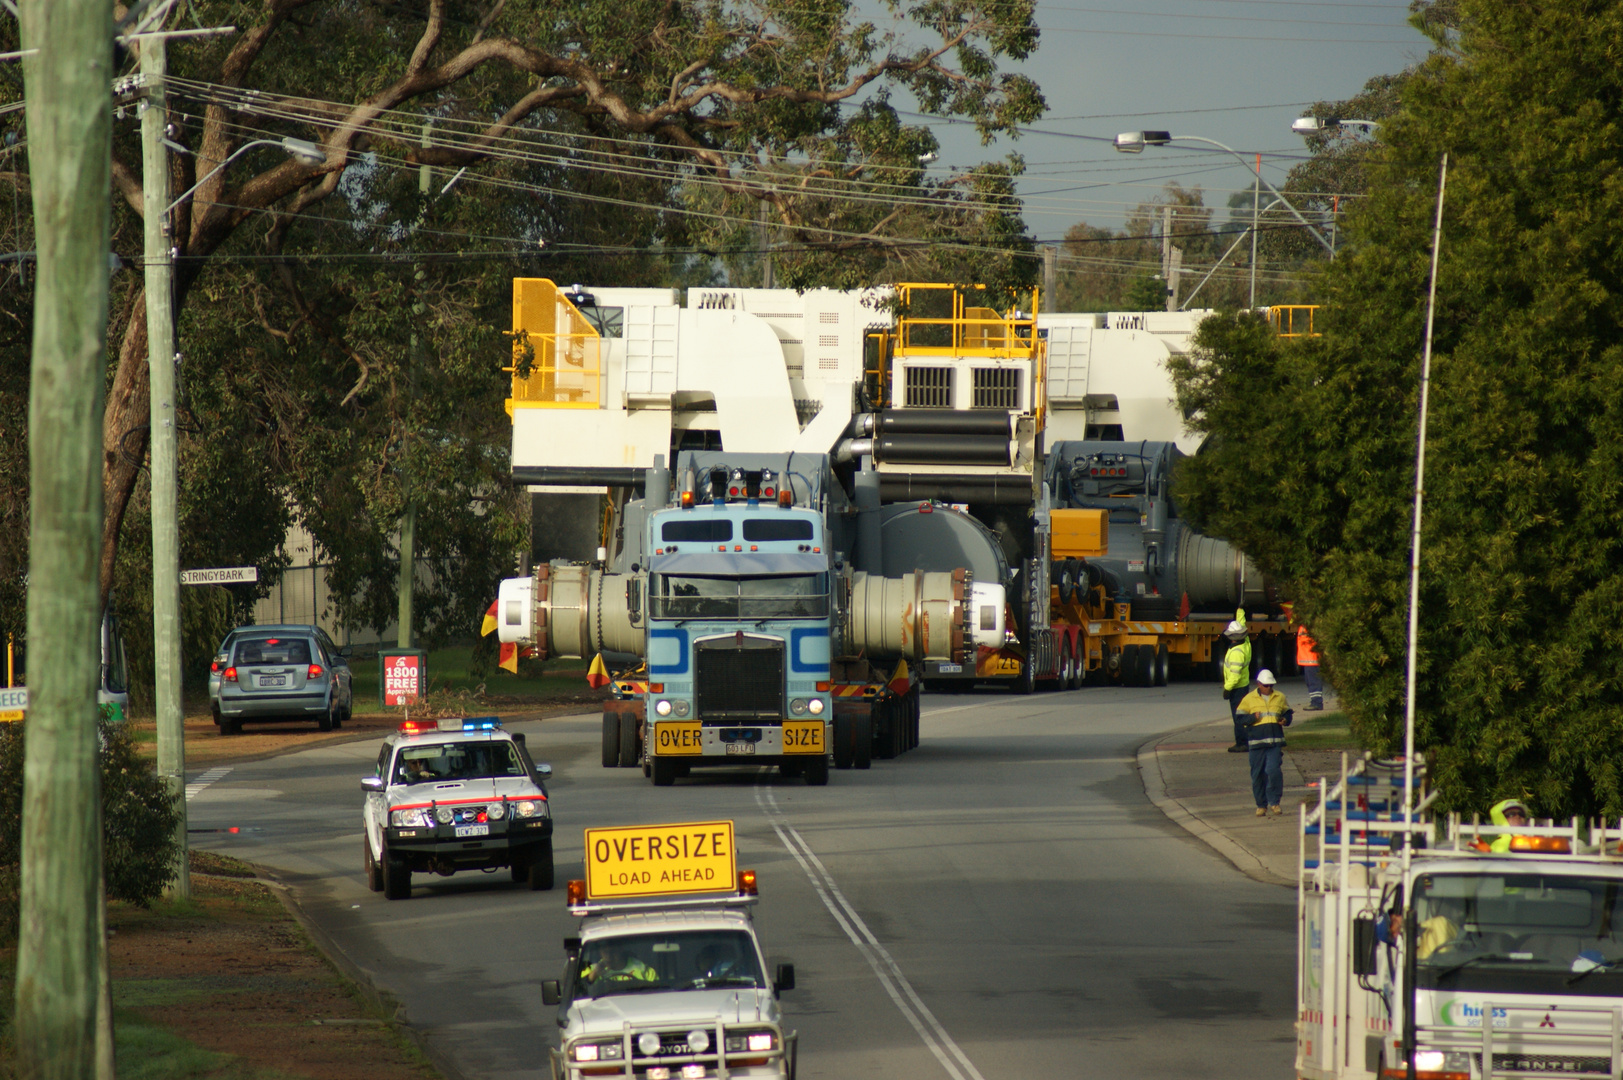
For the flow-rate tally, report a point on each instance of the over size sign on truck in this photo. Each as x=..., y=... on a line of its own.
x=654, y=860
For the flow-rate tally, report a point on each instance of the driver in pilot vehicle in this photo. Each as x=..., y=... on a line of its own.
x=618, y=965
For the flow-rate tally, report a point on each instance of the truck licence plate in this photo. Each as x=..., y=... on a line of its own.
x=740, y=748
x=273, y=680
x=950, y=669
x=473, y=830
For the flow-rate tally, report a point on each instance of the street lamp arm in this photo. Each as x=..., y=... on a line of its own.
x=307, y=152
x=1275, y=192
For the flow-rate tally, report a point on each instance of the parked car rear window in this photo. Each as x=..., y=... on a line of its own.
x=273, y=651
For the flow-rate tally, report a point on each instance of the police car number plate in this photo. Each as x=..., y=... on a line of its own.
x=740, y=748
x=473, y=830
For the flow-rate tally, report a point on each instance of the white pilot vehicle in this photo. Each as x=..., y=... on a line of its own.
x=667, y=980
x=450, y=795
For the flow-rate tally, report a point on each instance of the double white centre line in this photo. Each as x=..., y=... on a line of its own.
x=885, y=968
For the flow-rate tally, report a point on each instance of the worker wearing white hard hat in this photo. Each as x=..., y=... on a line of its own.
x=1267, y=714
x=1236, y=675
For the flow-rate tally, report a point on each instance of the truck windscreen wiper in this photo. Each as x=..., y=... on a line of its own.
x=1468, y=961
x=1588, y=971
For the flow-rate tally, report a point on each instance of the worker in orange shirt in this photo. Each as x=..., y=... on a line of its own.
x=1307, y=658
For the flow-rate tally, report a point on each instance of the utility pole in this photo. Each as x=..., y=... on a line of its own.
x=1171, y=260
x=1256, y=208
x=1050, y=276
x=408, y=523
x=68, y=69
x=764, y=213
x=161, y=360
x=1172, y=279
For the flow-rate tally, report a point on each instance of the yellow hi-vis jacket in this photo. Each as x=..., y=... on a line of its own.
x=1497, y=816
x=1267, y=718
x=1237, y=666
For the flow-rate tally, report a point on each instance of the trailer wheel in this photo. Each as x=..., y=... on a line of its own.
x=913, y=711
x=1064, y=573
x=891, y=741
x=843, y=750
x=1163, y=665
x=628, y=740
x=862, y=741
x=611, y=740
x=1079, y=665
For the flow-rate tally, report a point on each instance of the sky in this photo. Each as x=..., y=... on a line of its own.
x=1236, y=71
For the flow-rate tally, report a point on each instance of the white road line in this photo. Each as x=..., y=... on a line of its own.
x=885, y=968
x=205, y=780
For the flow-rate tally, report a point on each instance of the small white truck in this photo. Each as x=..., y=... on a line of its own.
x=1424, y=954
x=667, y=979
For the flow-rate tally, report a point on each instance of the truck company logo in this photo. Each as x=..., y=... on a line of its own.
x=1458, y=1013
x=718, y=301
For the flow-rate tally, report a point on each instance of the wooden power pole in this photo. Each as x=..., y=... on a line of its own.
x=68, y=94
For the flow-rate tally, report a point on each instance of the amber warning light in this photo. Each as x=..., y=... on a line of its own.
x=660, y=860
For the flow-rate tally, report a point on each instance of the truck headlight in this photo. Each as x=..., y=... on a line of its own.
x=1428, y=1061
x=816, y=706
x=798, y=706
x=681, y=707
x=662, y=707
x=410, y=819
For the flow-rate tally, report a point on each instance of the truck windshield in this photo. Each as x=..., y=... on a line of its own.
x=686, y=960
x=795, y=596
x=1493, y=930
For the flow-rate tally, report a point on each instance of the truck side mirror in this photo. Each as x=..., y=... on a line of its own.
x=785, y=979
x=1363, y=945
x=634, y=600
x=551, y=992
x=371, y=783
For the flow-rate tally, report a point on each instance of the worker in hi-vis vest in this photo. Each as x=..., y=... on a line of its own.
x=1237, y=676
x=1307, y=658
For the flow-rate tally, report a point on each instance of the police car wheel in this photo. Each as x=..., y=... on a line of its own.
x=374, y=872
x=816, y=772
x=396, y=878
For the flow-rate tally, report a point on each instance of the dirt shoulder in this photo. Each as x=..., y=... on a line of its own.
x=230, y=987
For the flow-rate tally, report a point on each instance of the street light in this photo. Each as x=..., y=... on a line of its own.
x=1134, y=142
x=302, y=150
x=1312, y=125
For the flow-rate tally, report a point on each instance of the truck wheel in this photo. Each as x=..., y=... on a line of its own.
x=1163, y=665
x=789, y=770
x=843, y=750
x=1026, y=681
x=541, y=873
x=664, y=772
x=1079, y=665
x=396, y=878
x=611, y=740
x=628, y=740
x=1064, y=573
x=374, y=872
x=887, y=732
x=862, y=741
x=913, y=719
x=816, y=771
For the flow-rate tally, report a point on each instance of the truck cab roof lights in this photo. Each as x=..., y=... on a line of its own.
x=786, y=497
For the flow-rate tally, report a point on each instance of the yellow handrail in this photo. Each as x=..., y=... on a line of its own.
x=1293, y=320
x=557, y=353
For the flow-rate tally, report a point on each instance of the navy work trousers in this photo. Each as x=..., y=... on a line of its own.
x=1267, y=774
x=1236, y=696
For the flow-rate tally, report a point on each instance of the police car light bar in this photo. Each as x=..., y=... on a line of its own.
x=470, y=723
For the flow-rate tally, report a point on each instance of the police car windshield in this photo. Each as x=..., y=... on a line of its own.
x=689, y=960
x=1474, y=923
x=438, y=762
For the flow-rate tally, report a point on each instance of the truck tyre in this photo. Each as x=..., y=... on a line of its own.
x=1064, y=574
x=843, y=751
x=791, y=768
x=816, y=770
x=611, y=740
x=374, y=872
x=628, y=740
x=396, y=878
x=862, y=741
x=914, y=708
x=540, y=875
x=1163, y=665
x=1026, y=681
x=664, y=772
x=887, y=732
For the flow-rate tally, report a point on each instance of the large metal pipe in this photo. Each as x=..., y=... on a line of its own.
x=1216, y=574
x=943, y=449
x=933, y=422
x=569, y=610
x=923, y=616
x=990, y=490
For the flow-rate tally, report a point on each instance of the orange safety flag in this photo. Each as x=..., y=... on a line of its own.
x=490, y=619
x=509, y=658
x=597, y=676
x=899, y=680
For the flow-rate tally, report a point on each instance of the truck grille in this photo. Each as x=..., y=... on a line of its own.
x=739, y=677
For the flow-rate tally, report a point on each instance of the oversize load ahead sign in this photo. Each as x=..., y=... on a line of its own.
x=653, y=860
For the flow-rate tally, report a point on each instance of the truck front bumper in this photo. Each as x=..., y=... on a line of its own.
x=795, y=738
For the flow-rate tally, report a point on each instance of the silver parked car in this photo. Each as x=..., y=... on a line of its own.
x=268, y=673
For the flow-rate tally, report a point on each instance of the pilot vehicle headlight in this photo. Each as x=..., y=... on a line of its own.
x=410, y=819
x=816, y=706
x=604, y=1051
x=751, y=1040
x=662, y=707
x=798, y=706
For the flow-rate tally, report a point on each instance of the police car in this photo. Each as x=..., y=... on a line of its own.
x=667, y=988
x=450, y=795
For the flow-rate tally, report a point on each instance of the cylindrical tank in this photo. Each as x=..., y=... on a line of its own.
x=1215, y=574
x=923, y=616
x=571, y=610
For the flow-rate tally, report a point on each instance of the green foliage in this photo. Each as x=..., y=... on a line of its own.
x=138, y=821
x=1310, y=464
